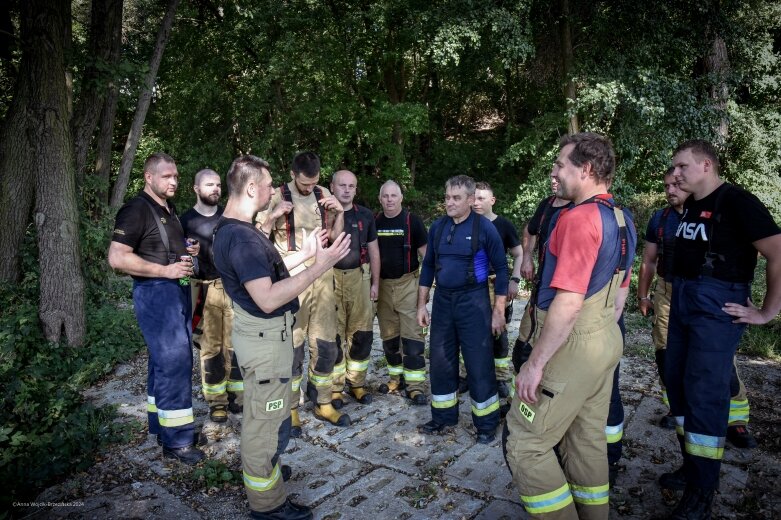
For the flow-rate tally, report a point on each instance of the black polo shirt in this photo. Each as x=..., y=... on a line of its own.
x=359, y=224
x=136, y=226
x=392, y=237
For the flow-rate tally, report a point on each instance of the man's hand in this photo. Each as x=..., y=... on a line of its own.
x=750, y=313
x=328, y=257
x=424, y=318
x=498, y=323
x=374, y=292
x=178, y=270
x=332, y=204
x=527, y=381
x=310, y=242
x=645, y=305
x=193, y=249
x=512, y=290
x=283, y=208
x=527, y=268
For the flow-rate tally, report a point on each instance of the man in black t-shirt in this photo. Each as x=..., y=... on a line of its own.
x=148, y=243
x=356, y=284
x=221, y=380
x=484, y=205
x=402, y=239
x=721, y=230
x=265, y=297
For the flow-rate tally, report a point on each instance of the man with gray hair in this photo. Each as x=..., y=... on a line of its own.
x=402, y=239
x=464, y=248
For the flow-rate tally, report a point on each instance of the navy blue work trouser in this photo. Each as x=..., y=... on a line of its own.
x=701, y=345
x=462, y=317
x=162, y=308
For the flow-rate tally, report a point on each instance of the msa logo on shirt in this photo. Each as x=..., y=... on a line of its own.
x=691, y=230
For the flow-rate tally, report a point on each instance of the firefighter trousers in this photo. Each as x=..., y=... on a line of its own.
x=220, y=374
x=739, y=409
x=162, y=308
x=461, y=318
x=316, y=324
x=501, y=344
x=573, y=400
x=701, y=345
x=354, y=326
x=402, y=338
x=264, y=350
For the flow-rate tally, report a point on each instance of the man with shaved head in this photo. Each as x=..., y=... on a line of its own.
x=221, y=380
x=402, y=239
x=356, y=284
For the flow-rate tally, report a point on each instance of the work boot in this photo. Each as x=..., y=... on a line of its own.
x=336, y=400
x=503, y=389
x=417, y=397
x=694, y=505
x=485, y=437
x=233, y=406
x=740, y=437
x=188, y=454
x=287, y=511
x=668, y=421
x=360, y=394
x=218, y=413
x=391, y=387
x=433, y=427
x=675, y=480
x=199, y=439
x=326, y=412
x=463, y=386
x=295, y=424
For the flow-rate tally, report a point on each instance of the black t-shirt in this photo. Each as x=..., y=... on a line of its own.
x=507, y=231
x=727, y=232
x=242, y=254
x=201, y=227
x=539, y=225
x=362, y=230
x=392, y=239
x=136, y=227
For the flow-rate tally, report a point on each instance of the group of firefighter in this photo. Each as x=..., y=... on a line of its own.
x=281, y=267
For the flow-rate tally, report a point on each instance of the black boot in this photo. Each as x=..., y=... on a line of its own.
x=287, y=511
x=694, y=505
x=675, y=480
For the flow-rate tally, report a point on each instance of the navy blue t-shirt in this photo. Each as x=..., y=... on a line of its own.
x=664, y=262
x=454, y=253
x=242, y=254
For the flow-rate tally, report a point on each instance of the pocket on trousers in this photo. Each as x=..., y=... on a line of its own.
x=270, y=398
x=550, y=396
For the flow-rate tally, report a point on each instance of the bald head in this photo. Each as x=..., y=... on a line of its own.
x=344, y=185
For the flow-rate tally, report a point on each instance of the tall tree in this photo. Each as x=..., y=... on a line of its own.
x=131, y=145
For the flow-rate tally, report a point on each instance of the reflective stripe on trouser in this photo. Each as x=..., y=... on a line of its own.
x=501, y=345
x=354, y=325
x=316, y=325
x=572, y=412
x=614, y=431
x=460, y=318
x=212, y=338
x=163, y=309
x=701, y=346
x=397, y=318
x=265, y=363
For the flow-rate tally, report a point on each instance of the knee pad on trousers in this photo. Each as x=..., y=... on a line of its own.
x=659, y=355
x=326, y=356
x=362, y=344
x=298, y=361
x=235, y=370
x=392, y=350
x=413, y=354
x=521, y=352
x=311, y=392
x=283, y=438
x=214, y=369
x=339, y=353
x=501, y=345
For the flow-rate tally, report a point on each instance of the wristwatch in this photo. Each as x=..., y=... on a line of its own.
x=515, y=279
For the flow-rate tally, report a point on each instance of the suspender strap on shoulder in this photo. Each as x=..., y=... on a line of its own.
x=290, y=222
x=475, y=243
x=161, y=229
x=407, y=241
x=323, y=217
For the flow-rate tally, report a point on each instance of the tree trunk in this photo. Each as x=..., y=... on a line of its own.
x=567, y=60
x=56, y=212
x=109, y=112
x=717, y=66
x=106, y=16
x=131, y=145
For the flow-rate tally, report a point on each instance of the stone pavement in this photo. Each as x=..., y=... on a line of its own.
x=381, y=467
